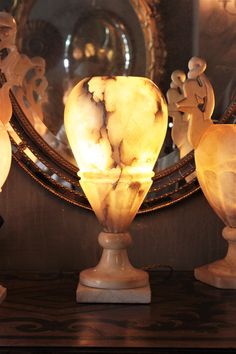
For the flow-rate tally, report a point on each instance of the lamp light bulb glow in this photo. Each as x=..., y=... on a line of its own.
x=116, y=123
x=116, y=127
x=5, y=154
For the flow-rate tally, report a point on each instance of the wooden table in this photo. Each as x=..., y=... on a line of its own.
x=40, y=315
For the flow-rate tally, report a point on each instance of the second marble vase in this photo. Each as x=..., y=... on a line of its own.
x=5, y=164
x=116, y=127
x=216, y=170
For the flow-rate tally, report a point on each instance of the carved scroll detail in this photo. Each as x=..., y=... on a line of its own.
x=19, y=72
x=194, y=97
x=180, y=119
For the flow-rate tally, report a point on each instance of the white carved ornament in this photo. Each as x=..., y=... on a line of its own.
x=24, y=75
x=191, y=103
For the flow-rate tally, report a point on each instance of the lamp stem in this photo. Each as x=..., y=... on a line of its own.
x=3, y=293
x=114, y=255
x=114, y=270
x=221, y=273
x=229, y=234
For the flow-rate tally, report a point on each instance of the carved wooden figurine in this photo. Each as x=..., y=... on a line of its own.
x=15, y=67
x=198, y=101
x=190, y=103
x=180, y=119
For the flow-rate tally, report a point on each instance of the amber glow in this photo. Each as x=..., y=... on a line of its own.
x=5, y=158
x=209, y=5
x=216, y=170
x=116, y=127
x=225, y=6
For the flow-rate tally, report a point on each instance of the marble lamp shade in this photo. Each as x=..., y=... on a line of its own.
x=116, y=127
x=215, y=159
x=5, y=164
x=5, y=154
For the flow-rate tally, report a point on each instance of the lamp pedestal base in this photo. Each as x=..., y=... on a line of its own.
x=114, y=279
x=86, y=294
x=222, y=273
x=3, y=293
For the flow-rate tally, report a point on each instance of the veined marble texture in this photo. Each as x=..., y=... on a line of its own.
x=116, y=123
x=115, y=203
x=216, y=170
x=116, y=127
x=5, y=158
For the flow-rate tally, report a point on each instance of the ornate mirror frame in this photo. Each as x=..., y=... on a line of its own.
x=59, y=176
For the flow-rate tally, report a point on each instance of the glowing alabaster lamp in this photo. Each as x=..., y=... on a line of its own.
x=5, y=163
x=116, y=127
x=215, y=158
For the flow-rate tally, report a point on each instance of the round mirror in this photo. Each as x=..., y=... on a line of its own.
x=61, y=43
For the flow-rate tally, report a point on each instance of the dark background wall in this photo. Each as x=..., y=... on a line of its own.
x=42, y=232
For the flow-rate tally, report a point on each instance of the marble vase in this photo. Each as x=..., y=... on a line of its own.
x=215, y=159
x=5, y=164
x=116, y=127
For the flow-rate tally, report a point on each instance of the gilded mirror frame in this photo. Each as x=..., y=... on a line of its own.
x=59, y=176
x=24, y=139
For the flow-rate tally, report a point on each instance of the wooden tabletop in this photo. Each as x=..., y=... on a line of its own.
x=185, y=316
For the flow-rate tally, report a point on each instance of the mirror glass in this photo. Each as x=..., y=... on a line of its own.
x=77, y=39
x=216, y=43
x=80, y=38
x=64, y=41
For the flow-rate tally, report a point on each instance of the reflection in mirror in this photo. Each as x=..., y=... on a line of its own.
x=83, y=39
x=59, y=44
x=213, y=31
x=216, y=30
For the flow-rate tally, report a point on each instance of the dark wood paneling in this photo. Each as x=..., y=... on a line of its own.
x=42, y=232
x=178, y=17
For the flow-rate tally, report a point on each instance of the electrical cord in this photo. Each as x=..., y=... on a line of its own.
x=160, y=267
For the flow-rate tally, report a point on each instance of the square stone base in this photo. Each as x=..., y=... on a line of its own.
x=85, y=294
x=3, y=293
x=213, y=275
